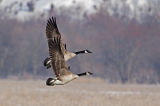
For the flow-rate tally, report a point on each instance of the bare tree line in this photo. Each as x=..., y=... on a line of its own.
x=122, y=52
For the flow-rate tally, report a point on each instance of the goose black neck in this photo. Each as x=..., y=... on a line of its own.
x=82, y=74
x=79, y=52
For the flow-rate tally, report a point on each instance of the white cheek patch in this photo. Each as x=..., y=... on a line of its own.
x=87, y=73
x=85, y=51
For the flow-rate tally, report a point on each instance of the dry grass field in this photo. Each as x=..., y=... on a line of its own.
x=81, y=92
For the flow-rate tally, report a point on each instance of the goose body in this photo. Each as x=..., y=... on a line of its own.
x=64, y=79
x=69, y=55
x=52, y=27
x=58, y=57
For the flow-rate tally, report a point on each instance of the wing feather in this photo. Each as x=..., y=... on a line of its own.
x=52, y=32
x=58, y=63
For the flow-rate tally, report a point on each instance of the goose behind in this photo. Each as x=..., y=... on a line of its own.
x=52, y=31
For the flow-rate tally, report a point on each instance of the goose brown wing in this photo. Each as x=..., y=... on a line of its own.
x=58, y=63
x=52, y=32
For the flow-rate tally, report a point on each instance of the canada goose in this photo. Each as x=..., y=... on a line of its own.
x=52, y=29
x=61, y=70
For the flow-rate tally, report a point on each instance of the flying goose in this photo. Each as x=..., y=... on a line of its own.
x=52, y=31
x=61, y=70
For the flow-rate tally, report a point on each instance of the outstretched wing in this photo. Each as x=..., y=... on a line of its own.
x=52, y=32
x=58, y=63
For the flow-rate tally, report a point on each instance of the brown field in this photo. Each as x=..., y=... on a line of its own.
x=81, y=92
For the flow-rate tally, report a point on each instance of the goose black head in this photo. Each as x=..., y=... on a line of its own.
x=89, y=73
x=87, y=51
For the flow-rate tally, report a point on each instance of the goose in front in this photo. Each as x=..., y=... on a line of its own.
x=52, y=31
x=61, y=70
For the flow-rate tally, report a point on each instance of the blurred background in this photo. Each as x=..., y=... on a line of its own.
x=124, y=36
